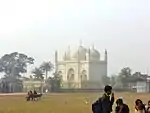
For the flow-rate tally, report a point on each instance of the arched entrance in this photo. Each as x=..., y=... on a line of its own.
x=84, y=79
x=70, y=77
x=84, y=75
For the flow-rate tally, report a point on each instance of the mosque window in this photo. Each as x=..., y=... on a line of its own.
x=70, y=75
x=84, y=75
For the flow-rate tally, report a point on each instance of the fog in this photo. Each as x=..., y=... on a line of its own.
x=39, y=27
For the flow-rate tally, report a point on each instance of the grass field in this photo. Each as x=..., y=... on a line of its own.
x=61, y=103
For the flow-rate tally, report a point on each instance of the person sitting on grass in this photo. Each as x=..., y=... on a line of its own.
x=35, y=92
x=28, y=95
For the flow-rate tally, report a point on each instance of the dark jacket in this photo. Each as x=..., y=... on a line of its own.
x=107, y=103
x=123, y=109
x=148, y=109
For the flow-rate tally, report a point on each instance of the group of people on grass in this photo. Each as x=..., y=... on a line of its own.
x=31, y=93
x=33, y=96
x=105, y=103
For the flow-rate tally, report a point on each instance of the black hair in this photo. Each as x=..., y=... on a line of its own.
x=119, y=101
x=137, y=101
x=107, y=88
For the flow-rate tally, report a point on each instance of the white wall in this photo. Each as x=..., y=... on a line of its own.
x=97, y=70
x=65, y=66
x=141, y=87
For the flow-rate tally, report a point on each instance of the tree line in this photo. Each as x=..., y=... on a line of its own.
x=15, y=64
x=123, y=78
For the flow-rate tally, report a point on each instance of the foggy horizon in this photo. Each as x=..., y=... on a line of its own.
x=39, y=27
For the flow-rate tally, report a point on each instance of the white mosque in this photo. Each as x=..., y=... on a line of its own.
x=82, y=68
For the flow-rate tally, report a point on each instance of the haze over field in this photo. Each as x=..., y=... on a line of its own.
x=39, y=27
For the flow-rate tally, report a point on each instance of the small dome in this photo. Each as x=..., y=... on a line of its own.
x=81, y=52
x=94, y=54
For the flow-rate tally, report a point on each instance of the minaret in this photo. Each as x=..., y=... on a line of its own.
x=80, y=44
x=106, y=55
x=88, y=55
x=78, y=71
x=106, y=62
x=68, y=55
x=56, y=61
x=93, y=46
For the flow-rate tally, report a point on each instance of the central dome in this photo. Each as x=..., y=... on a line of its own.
x=80, y=53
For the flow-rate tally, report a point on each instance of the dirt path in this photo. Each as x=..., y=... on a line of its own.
x=11, y=94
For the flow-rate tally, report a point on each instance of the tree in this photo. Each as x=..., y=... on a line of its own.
x=124, y=75
x=137, y=74
x=37, y=73
x=15, y=64
x=118, y=84
x=125, y=72
x=113, y=80
x=105, y=80
x=46, y=67
x=55, y=82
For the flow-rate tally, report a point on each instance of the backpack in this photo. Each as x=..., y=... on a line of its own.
x=125, y=109
x=97, y=106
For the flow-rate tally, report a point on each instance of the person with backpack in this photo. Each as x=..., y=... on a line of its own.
x=104, y=104
x=97, y=107
x=121, y=107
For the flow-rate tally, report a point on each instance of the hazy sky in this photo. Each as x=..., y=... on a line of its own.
x=38, y=27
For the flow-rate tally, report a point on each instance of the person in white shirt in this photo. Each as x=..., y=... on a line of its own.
x=148, y=107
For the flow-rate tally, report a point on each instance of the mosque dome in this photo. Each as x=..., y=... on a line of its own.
x=94, y=54
x=80, y=53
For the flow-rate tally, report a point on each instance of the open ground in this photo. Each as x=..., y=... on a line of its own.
x=61, y=102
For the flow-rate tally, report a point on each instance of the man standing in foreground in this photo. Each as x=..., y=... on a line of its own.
x=104, y=104
x=107, y=101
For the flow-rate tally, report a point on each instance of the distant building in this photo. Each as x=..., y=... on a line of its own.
x=10, y=85
x=82, y=68
x=142, y=87
x=32, y=84
x=140, y=84
x=23, y=84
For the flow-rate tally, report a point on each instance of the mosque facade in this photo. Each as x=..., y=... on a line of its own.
x=82, y=68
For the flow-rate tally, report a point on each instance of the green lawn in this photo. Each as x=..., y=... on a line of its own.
x=61, y=103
